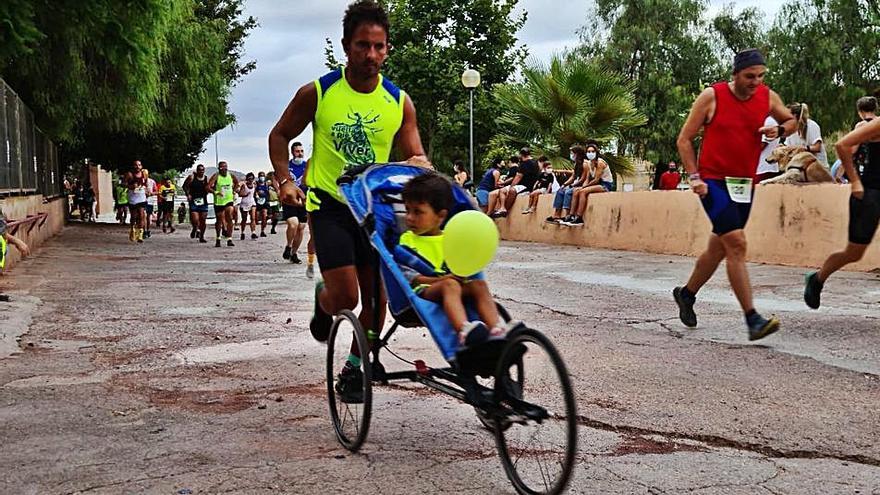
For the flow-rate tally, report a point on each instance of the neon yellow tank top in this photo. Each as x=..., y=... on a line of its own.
x=429, y=247
x=350, y=129
x=223, y=194
x=2, y=251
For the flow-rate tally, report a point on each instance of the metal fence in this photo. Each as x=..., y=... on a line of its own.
x=29, y=161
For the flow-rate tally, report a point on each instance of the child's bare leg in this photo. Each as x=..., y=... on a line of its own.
x=448, y=292
x=478, y=291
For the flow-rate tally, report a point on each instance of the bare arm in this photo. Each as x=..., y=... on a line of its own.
x=700, y=113
x=212, y=183
x=597, y=177
x=298, y=114
x=18, y=243
x=845, y=151
x=409, y=143
x=497, y=176
x=783, y=115
x=516, y=179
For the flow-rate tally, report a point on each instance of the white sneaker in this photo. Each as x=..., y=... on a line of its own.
x=310, y=272
x=526, y=211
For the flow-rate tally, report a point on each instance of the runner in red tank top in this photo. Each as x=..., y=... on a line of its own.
x=732, y=115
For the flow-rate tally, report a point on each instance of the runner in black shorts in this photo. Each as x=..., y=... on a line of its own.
x=295, y=216
x=864, y=204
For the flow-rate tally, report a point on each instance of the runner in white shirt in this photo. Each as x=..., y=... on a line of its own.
x=808, y=135
x=767, y=170
x=248, y=205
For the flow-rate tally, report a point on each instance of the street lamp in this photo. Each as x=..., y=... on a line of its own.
x=470, y=79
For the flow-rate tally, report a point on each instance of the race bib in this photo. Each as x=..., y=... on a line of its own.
x=199, y=201
x=169, y=196
x=739, y=189
x=261, y=201
x=226, y=189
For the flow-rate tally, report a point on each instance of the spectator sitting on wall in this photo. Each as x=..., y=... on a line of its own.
x=670, y=179
x=601, y=181
x=562, y=200
x=5, y=239
x=460, y=176
x=808, y=135
x=542, y=186
x=526, y=176
x=489, y=183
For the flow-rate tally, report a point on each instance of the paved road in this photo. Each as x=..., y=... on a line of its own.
x=175, y=366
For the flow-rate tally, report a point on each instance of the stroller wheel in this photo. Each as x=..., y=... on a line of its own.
x=534, y=414
x=349, y=387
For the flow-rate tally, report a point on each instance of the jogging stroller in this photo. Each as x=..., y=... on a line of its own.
x=490, y=378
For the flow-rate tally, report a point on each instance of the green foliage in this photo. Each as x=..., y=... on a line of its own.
x=824, y=53
x=738, y=32
x=114, y=81
x=571, y=101
x=664, y=48
x=433, y=42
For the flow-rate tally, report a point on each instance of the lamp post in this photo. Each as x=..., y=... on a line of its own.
x=470, y=79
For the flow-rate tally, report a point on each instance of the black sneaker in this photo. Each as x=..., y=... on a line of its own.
x=685, y=307
x=286, y=253
x=263, y=234
x=202, y=240
x=295, y=259
x=812, y=290
x=217, y=244
x=192, y=235
x=577, y=222
x=321, y=321
x=242, y=236
x=760, y=327
x=229, y=243
x=254, y=236
x=350, y=385
x=273, y=231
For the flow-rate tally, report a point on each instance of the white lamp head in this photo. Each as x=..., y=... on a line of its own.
x=470, y=78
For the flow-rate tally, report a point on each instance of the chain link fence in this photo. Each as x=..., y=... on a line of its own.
x=29, y=161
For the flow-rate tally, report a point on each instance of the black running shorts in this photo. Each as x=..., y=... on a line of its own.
x=339, y=240
x=864, y=215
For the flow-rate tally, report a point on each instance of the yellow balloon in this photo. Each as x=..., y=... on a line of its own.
x=470, y=241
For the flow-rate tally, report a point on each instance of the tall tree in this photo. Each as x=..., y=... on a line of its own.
x=571, y=101
x=108, y=79
x=665, y=49
x=824, y=53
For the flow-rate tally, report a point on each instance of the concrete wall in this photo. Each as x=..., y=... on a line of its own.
x=16, y=208
x=102, y=183
x=789, y=225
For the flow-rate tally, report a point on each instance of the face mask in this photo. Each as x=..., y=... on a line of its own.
x=591, y=155
x=262, y=179
x=298, y=161
x=573, y=157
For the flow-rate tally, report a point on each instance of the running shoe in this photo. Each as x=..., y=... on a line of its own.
x=310, y=271
x=164, y=229
x=526, y=211
x=242, y=236
x=192, y=235
x=229, y=243
x=273, y=231
x=131, y=235
x=295, y=259
x=577, y=222
x=555, y=220
x=812, y=290
x=685, y=307
x=321, y=321
x=173, y=230
x=254, y=236
x=286, y=253
x=350, y=385
x=263, y=234
x=760, y=327
x=202, y=240
x=217, y=244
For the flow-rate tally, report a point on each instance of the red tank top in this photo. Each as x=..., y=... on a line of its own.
x=731, y=141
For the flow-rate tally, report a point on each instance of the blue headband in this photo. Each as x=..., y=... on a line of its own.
x=747, y=58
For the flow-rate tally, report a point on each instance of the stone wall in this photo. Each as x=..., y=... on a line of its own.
x=789, y=225
x=16, y=208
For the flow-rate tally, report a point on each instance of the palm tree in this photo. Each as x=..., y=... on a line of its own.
x=573, y=101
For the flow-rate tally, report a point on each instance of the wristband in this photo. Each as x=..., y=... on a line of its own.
x=284, y=181
x=694, y=176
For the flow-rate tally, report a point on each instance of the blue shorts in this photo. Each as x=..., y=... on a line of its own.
x=482, y=197
x=608, y=186
x=197, y=208
x=725, y=214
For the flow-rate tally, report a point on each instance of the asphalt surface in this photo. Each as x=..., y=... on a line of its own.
x=173, y=367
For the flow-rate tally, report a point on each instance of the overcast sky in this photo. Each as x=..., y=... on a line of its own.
x=288, y=47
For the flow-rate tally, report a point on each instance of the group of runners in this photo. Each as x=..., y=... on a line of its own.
x=357, y=116
x=255, y=201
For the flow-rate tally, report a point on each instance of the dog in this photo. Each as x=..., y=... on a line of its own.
x=797, y=166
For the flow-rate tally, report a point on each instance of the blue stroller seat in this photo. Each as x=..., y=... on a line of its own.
x=375, y=201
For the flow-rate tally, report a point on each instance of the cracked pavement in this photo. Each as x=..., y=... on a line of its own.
x=171, y=366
